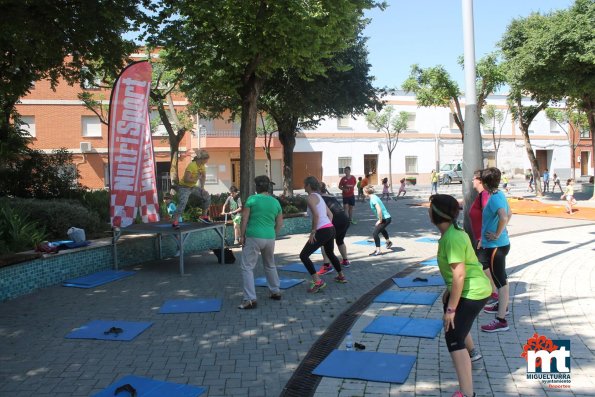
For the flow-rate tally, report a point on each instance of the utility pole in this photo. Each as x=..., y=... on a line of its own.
x=472, y=146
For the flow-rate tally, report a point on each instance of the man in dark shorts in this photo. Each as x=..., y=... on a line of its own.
x=347, y=186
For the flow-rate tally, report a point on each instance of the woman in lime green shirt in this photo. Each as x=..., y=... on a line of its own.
x=467, y=287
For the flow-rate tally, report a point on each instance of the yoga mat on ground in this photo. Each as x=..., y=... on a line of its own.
x=191, y=306
x=297, y=267
x=369, y=243
x=96, y=279
x=430, y=262
x=100, y=329
x=407, y=297
x=146, y=387
x=430, y=281
x=285, y=282
x=404, y=326
x=427, y=240
x=372, y=366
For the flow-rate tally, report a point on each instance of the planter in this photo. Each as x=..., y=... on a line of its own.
x=587, y=188
x=411, y=180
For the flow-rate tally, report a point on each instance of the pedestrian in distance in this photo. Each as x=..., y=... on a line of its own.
x=505, y=182
x=261, y=223
x=531, y=180
x=434, y=180
x=347, y=186
x=402, y=189
x=494, y=240
x=546, y=180
x=383, y=220
x=557, y=183
x=170, y=207
x=385, y=191
x=360, y=190
x=233, y=208
x=467, y=287
x=322, y=235
x=341, y=223
x=569, y=195
x=193, y=182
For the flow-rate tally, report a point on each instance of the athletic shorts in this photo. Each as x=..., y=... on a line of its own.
x=495, y=260
x=349, y=201
x=466, y=312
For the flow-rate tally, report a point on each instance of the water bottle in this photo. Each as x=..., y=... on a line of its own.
x=349, y=342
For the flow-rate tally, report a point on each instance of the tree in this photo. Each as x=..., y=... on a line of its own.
x=492, y=118
x=267, y=130
x=227, y=50
x=573, y=118
x=552, y=56
x=48, y=39
x=295, y=102
x=434, y=87
x=391, y=125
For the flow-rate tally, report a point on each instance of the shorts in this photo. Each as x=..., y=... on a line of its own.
x=466, y=312
x=349, y=201
x=341, y=224
x=237, y=219
x=496, y=261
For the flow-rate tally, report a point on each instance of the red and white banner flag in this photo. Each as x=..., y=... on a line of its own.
x=132, y=166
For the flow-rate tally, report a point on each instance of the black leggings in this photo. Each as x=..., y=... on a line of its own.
x=323, y=238
x=495, y=260
x=466, y=312
x=381, y=229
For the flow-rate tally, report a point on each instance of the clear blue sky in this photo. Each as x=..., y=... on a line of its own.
x=430, y=33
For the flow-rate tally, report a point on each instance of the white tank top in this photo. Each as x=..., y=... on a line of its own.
x=323, y=219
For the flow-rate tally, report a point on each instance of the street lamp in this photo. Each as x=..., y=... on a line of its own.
x=437, y=147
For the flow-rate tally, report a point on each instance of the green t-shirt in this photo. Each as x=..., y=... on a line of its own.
x=263, y=213
x=455, y=247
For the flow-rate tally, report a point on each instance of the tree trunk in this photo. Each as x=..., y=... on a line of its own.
x=287, y=133
x=267, y=151
x=249, y=95
x=390, y=170
x=590, y=111
x=532, y=160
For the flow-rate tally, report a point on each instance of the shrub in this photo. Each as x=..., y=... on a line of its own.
x=97, y=201
x=17, y=232
x=291, y=209
x=300, y=203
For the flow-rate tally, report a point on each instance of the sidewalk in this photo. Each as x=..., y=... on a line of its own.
x=256, y=352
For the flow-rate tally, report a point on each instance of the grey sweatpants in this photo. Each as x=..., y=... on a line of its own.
x=252, y=247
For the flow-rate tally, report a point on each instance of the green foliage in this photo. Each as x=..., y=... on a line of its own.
x=17, y=232
x=97, y=201
x=432, y=86
x=390, y=123
x=294, y=204
x=41, y=175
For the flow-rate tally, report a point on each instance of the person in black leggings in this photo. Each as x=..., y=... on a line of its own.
x=322, y=235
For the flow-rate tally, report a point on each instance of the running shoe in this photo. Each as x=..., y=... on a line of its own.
x=475, y=355
x=340, y=279
x=492, y=299
x=353, y=222
x=175, y=224
x=276, y=296
x=345, y=263
x=458, y=393
x=495, y=326
x=247, y=305
x=493, y=309
x=375, y=253
x=389, y=244
x=316, y=286
x=325, y=269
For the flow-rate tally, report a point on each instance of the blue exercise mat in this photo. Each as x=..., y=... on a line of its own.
x=404, y=326
x=191, y=306
x=369, y=243
x=430, y=262
x=427, y=240
x=146, y=387
x=419, y=281
x=95, y=279
x=372, y=366
x=285, y=282
x=297, y=267
x=407, y=297
x=110, y=330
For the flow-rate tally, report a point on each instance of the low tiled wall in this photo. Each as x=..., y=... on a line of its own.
x=52, y=269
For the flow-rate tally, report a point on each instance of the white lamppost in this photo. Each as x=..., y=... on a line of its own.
x=437, y=147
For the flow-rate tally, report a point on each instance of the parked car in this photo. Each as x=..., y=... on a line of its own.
x=451, y=172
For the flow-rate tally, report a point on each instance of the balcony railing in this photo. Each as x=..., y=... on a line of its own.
x=220, y=133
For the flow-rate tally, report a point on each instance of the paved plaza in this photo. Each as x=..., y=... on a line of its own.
x=257, y=352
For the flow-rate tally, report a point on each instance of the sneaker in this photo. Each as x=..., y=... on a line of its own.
x=276, y=296
x=345, y=263
x=475, y=355
x=492, y=299
x=316, y=286
x=458, y=393
x=493, y=309
x=389, y=244
x=353, y=222
x=375, y=253
x=340, y=279
x=495, y=326
x=326, y=268
x=175, y=224
x=248, y=304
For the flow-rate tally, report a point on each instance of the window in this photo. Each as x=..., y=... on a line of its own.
x=212, y=177
x=584, y=132
x=91, y=126
x=410, y=121
x=28, y=125
x=343, y=122
x=88, y=80
x=157, y=127
x=411, y=164
x=344, y=162
x=554, y=126
x=106, y=175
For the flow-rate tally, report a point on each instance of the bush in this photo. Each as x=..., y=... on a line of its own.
x=291, y=209
x=97, y=201
x=57, y=216
x=17, y=232
x=299, y=204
